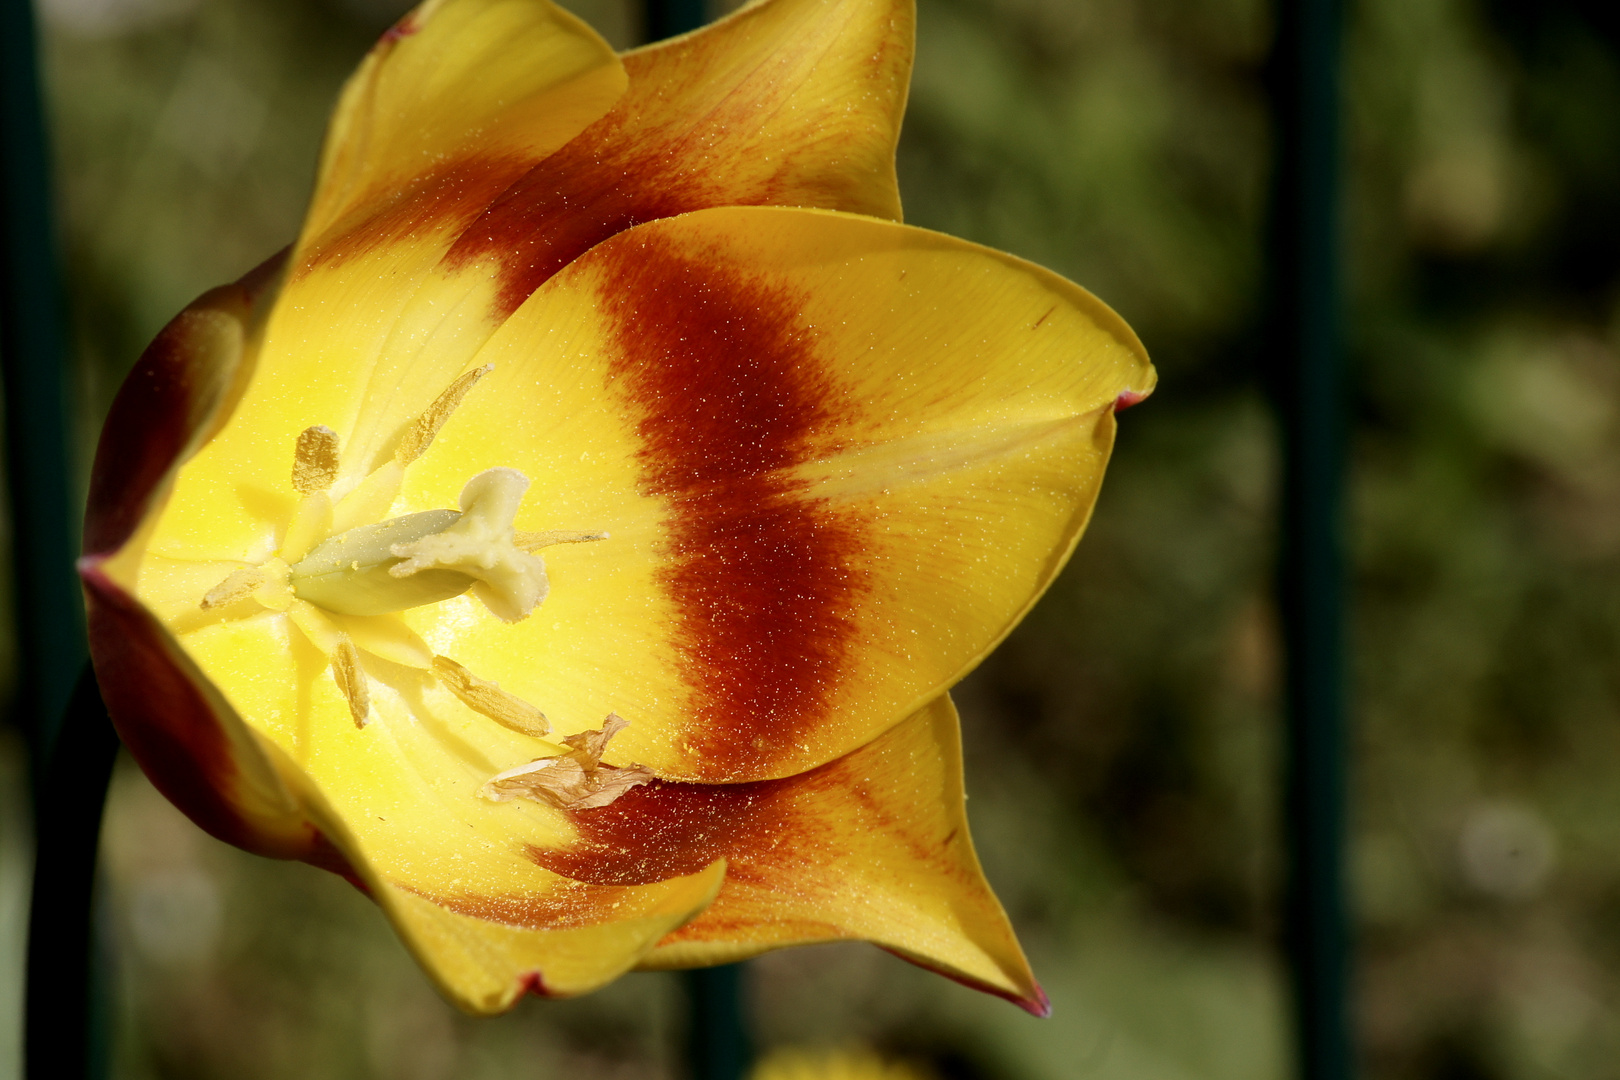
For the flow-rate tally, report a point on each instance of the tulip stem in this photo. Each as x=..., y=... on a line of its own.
x=63, y=1039
x=717, y=1039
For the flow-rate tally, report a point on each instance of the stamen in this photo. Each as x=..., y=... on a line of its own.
x=488, y=699
x=574, y=781
x=352, y=681
x=240, y=585
x=534, y=541
x=420, y=436
x=315, y=460
x=589, y=745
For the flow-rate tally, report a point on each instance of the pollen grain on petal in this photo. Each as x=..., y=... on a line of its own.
x=488, y=699
x=352, y=681
x=315, y=460
x=421, y=433
x=240, y=585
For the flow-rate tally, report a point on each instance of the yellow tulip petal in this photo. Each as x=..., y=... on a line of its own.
x=485, y=961
x=788, y=103
x=873, y=846
x=837, y=459
x=459, y=96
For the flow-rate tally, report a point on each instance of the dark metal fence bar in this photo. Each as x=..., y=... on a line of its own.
x=71, y=753
x=48, y=607
x=1305, y=351
x=718, y=1046
x=64, y=1038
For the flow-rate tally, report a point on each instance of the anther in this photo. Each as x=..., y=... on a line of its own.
x=420, y=436
x=577, y=780
x=488, y=699
x=352, y=681
x=534, y=541
x=240, y=585
x=315, y=460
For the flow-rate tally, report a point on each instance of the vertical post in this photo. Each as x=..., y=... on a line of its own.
x=71, y=760
x=718, y=1044
x=65, y=1036
x=1305, y=351
x=49, y=607
x=666, y=18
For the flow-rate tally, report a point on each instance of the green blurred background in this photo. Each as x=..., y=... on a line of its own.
x=1122, y=746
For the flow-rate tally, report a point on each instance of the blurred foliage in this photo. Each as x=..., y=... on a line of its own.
x=1122, y=744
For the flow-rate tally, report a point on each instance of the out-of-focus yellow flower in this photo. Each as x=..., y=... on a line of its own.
x=794, y=1063
x=794, y=468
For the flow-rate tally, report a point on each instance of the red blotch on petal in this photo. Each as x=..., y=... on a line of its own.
x=592, y=189
x=667, y=829
x=447, y=197
x=729, y=394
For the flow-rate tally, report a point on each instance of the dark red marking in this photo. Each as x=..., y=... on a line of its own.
x=646, y=159
x=643, y=161
x=1129, y=398
x=665, y=830
x=763, y=828
x=448, y=197
x=597, y=186
x=729, y=393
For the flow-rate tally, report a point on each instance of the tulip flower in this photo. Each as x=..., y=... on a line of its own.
x=573, y=537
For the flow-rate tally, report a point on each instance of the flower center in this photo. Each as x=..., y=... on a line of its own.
x=424, y=558
x=341, y=575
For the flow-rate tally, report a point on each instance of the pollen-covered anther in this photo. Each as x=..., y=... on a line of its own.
x=240, y=585
x=509, y=581
x=420, y=435
x=488, y=699
x=578, y=780
x=315, y=460
x=351, y=680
